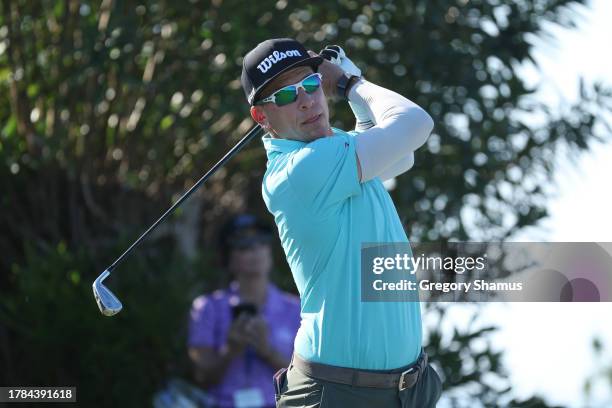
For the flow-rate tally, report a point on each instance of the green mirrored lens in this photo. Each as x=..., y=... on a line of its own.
x=311, y=84
x=286, y=95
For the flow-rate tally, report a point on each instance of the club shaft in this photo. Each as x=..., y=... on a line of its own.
x=243, y=142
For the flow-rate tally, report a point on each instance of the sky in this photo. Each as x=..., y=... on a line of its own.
x=558, y=336
x=548, y=345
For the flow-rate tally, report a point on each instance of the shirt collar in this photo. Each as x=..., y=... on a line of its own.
x=275, y=145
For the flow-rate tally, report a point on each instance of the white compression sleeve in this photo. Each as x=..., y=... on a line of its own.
x=400, y=127
x=398, y=168
x=362, y=116
x=363, y=122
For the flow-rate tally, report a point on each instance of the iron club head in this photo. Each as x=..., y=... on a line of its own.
x=107, y=302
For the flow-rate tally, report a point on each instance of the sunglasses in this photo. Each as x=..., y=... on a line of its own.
x=289, y=93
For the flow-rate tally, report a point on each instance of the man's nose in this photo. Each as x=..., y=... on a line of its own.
x=305, y=100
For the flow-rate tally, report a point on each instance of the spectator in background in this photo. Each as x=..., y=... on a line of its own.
x=240, y=336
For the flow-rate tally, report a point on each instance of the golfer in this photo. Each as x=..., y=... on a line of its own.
x=324, y=188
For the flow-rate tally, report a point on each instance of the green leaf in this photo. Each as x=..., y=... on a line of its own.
x=9, y=128
x=166, y=122
x=32, y=90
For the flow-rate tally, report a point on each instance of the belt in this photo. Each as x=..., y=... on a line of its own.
x=364, y=378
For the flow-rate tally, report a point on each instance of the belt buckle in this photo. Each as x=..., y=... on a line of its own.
x=403, y=381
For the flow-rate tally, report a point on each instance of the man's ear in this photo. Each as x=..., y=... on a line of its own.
x=259, y=116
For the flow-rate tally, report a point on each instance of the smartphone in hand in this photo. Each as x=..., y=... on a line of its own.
x=249, y=309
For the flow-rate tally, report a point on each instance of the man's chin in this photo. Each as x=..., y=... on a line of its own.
x=315, y=134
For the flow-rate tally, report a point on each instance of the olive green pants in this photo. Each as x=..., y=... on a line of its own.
x=299, y=390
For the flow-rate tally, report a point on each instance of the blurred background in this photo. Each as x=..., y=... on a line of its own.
x=109, y=110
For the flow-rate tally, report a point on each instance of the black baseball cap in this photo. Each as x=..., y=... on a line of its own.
x=243, y=231
x=270, y=59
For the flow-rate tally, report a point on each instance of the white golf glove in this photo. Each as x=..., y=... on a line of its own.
x=336, y=55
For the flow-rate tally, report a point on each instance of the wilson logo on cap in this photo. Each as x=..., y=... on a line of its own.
x=275, y=57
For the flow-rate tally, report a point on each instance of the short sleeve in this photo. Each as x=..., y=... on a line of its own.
x=201, y=323
x=324, y=172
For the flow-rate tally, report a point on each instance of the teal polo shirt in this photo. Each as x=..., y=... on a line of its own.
x=324, y=214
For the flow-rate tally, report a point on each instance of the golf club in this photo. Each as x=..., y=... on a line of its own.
x=108, y=303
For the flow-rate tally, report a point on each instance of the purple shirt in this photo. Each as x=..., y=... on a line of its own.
x=209, y=324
